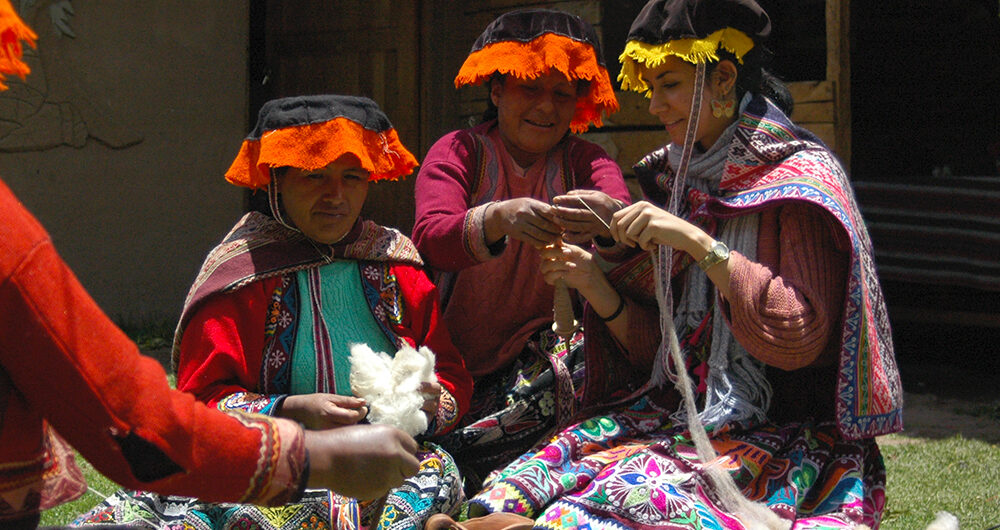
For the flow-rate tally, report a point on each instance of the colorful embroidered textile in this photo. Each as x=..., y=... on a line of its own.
x=436, y=488
x=633, y=469
x=518, y=406
x=259, y=247
x=627, y=466
x=246, y=304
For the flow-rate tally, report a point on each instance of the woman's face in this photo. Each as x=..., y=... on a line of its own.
x=325, y=203
x=533, y=114
x=672, y=84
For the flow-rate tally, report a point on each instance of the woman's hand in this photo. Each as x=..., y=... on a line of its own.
x=571, y=264
x=323, y=411
x=577, y=268
x=524, y=219
x=647, y=225
x=432, y=395
x=360, y=461
x=579, y=224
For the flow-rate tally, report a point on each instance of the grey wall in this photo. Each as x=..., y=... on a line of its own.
x=119, y=138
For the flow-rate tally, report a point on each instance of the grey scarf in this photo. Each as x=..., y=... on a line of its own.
x=737, y=388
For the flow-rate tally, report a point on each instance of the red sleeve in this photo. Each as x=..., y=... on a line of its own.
x=223, y=344
x=784, y=309
x=73, y=366
x=422, y=324
x=442, y=191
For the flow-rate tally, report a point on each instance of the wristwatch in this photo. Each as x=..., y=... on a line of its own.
x=715, y=256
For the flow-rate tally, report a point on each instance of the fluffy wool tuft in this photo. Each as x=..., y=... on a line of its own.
x=944, y=521
x=389, y=385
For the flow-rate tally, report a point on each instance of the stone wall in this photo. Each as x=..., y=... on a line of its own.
x=118, y=139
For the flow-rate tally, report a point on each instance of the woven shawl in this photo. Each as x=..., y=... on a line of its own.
x=771, y=160
x=259, y=247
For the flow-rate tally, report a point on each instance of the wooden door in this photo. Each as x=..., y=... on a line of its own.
x=356, y=47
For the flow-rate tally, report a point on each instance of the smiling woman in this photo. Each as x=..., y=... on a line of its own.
x=490, y=196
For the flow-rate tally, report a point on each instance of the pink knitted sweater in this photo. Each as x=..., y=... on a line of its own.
x=785, y=308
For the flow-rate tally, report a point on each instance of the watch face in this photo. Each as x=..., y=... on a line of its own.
x=721, y=250
x=718, y=254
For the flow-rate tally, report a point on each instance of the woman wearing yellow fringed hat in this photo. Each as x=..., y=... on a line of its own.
x=753, y=344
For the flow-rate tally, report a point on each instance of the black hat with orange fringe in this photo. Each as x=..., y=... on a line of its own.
x=309, y=132
x=693, y=30
x=13, y=30
x=530, y=42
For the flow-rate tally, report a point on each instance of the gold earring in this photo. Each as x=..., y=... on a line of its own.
x=723, y=106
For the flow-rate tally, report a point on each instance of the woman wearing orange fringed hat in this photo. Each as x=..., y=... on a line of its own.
x=754, y=294
x=269, y=324
x=488, y=198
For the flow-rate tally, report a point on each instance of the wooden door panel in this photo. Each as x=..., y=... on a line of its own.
x=358, y=47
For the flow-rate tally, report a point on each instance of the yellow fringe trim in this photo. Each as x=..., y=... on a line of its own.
x=694, y=51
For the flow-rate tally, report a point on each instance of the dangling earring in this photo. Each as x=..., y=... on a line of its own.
x=723, y=106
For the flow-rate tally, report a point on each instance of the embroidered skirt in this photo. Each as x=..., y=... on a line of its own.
x=516, y=408
x=436, y=488
x=634, y=469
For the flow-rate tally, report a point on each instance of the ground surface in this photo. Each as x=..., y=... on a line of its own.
x=942, y=400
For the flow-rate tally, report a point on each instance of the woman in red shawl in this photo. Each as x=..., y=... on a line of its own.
x=269, y=323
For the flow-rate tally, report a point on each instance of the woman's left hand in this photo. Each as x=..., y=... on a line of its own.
x=647, y=225
x=580, y=224
x=432, y=395
x=571, y=264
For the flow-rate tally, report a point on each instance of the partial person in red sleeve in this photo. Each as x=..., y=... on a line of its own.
x=489, y=197
x=66, y=368
x=268, y=324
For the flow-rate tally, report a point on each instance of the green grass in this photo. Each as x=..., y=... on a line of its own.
x=957, y=475
x=925, y=476
x=148, y=332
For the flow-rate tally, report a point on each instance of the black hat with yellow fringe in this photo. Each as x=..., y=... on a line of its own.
x=309, y=132
x=693, y=30
x=529, y=43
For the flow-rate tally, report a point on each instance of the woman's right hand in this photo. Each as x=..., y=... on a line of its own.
x=360, y=461
x=524, y=219
x=646, y=225
x=323, y=411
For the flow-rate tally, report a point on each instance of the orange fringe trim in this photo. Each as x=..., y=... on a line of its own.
x=527, y=60
x=314, y=146
x=12, y=31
